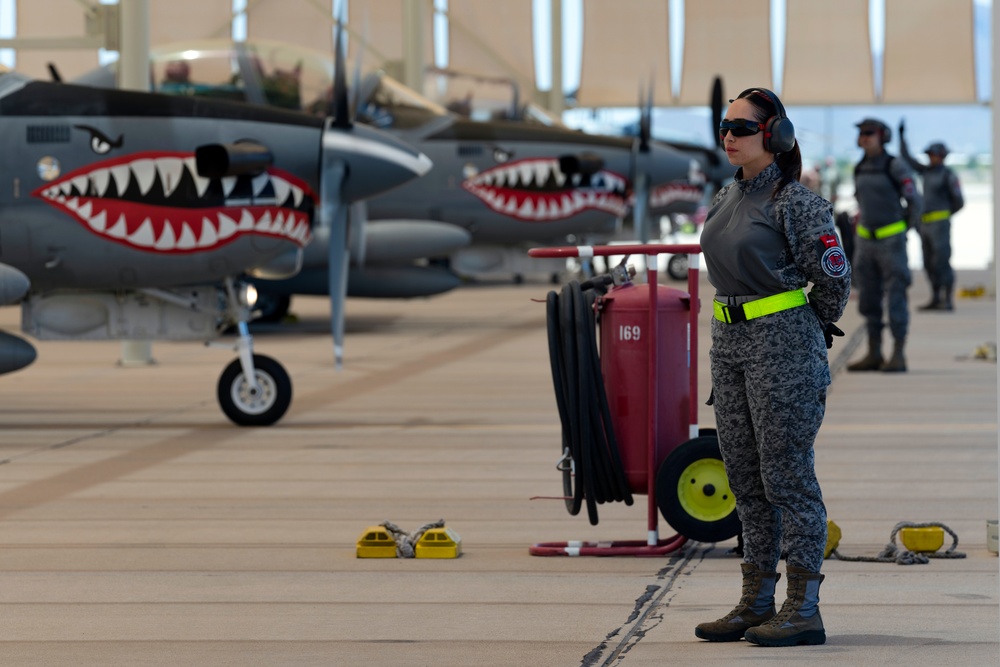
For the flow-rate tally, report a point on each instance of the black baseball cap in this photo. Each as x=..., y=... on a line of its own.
x=937, y=148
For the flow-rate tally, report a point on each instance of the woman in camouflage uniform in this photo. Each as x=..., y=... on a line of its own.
x=766, y=238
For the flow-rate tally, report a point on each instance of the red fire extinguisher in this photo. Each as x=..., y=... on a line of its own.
x=625, y=366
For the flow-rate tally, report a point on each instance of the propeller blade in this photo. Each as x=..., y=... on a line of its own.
x=341, y=105
x=357, y=229
x=333, y=216
x=355, y=93
x=640, y=209
x=645, y=118
x=716, y=110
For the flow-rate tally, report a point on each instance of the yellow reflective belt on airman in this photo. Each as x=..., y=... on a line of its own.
x=759, y=308
x=897, y=227
x=934, y=216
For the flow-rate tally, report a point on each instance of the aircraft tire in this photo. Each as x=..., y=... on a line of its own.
x=264, y=409
x=677, y=267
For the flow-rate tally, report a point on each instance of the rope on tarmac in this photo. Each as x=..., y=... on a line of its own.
x=405, y=542
x=892, y=553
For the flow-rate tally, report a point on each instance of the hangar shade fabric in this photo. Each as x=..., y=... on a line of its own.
x=929, y=52
x=490, y=38
x=727, y=39
x=170, y=20
x=819, y=35
x=303, y=23
x=53, y=18
x=642, y=54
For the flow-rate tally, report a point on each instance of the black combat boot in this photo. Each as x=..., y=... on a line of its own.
x=798, y=623
x=935, y=302
x=946, y=303
x=873, y=360
x=896, y=364
x=755, y=607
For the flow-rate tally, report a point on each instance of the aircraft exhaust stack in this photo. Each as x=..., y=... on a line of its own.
x=13, y=285
x=15, y=353
x=245, y=158
x=586, y=163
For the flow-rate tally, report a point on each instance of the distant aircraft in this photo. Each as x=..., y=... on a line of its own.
x=137, y=216
x=490, y=98
x=495, y=189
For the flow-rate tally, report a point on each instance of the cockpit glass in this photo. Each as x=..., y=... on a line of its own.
x=207, y=72
x=286, y=76
x=263, y=73
x=391, y=104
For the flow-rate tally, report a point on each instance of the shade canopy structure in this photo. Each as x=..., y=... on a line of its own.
x=829, y=54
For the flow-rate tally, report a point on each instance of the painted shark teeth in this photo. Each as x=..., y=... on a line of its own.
x=538, y=190
x=108, y=200
x=674, y=192
x=142, y=175
x=201, y=231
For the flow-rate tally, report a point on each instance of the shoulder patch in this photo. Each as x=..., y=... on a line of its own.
x=831, y=256
x=834, y=262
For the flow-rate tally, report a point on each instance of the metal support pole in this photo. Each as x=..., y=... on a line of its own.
x=556, y=104
x=133, y=65
x=414, y=22
x=996, y=186
x=133, y=74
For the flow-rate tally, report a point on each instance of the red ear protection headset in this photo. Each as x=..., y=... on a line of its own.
x=779, y=133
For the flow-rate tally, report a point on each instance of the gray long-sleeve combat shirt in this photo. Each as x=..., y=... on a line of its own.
x=880, y=183
x=758, y=245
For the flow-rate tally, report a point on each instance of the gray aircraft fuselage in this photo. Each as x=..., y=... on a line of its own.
x=100, y=188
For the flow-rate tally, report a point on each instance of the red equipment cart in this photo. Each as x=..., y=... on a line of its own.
x=653, y=332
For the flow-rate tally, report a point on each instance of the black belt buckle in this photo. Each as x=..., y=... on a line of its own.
x=735, y=314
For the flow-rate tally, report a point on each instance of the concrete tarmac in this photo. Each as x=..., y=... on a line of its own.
x=139, y=527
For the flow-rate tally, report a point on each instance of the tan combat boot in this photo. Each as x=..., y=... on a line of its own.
x=798, y=623
x=755, y=607
x=873, y=360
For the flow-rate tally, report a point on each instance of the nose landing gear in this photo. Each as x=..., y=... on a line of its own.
x=254, y=390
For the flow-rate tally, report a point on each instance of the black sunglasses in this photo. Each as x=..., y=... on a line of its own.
x=740, y=127
x=867, y=133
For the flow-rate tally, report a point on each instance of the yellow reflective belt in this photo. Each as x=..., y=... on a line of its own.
x=934, y=216
x=897, y=227
x=759, y=308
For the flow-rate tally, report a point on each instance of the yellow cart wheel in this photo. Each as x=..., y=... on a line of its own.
x=692, y=492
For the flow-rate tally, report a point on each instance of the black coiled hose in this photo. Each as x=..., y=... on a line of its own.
x=587, y=432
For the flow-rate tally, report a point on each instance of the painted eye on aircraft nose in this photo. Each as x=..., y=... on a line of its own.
x=99, y=142
x=99, y=146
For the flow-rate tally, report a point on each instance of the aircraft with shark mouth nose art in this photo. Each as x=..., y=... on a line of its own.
x=139, y=216
x=496, y=188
